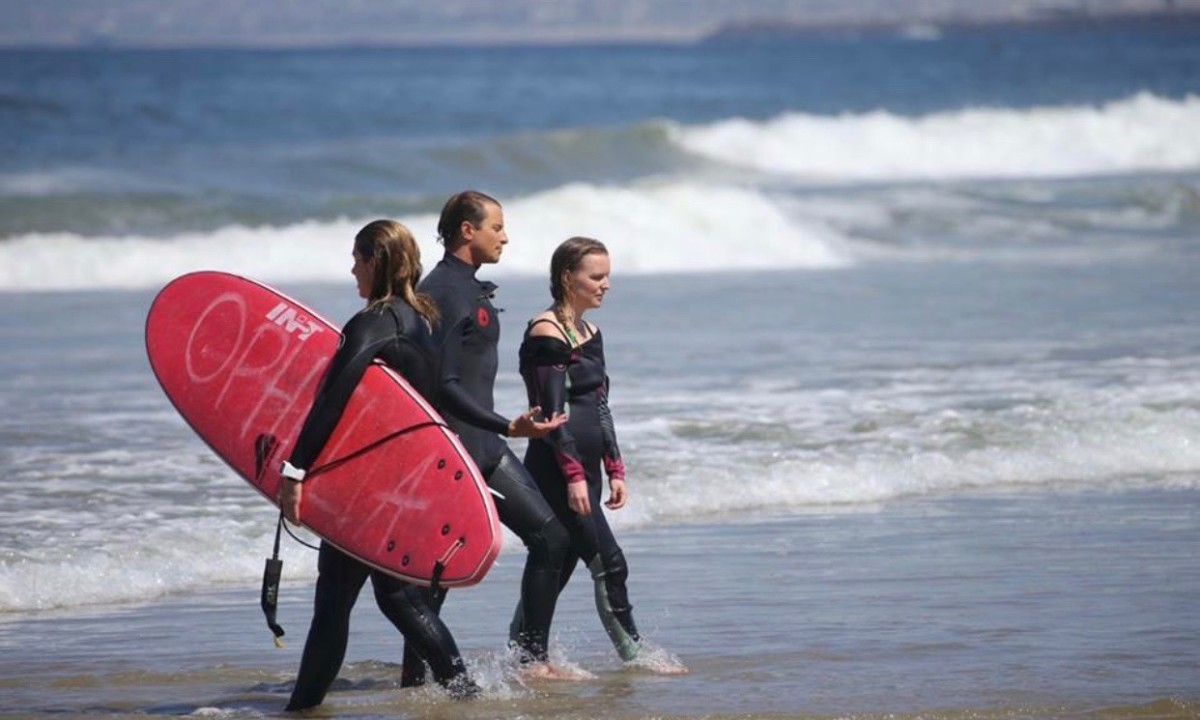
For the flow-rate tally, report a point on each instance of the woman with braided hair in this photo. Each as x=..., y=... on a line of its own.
x=562, y=363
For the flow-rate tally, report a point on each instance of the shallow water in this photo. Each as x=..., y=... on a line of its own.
x=1075, y=603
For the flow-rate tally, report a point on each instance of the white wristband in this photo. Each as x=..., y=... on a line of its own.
x=291, y=472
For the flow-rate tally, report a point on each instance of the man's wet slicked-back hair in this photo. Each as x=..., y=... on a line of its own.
x=466, y=206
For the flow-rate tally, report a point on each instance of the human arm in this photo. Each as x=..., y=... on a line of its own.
x=545, y=360
x=614, y=466
x=455, y=398
x=361, y=339
x=453, y=395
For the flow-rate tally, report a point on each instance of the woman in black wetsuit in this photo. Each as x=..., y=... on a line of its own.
x=396, y=328
x=471, y=227
x=562, y=363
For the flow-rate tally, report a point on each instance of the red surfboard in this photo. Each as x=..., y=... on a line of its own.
x=393, y=487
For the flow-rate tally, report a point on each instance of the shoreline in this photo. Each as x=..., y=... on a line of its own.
x=997, y=605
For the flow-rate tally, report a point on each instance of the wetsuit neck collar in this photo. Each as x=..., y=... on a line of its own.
x=459, y=265
x=465, y=269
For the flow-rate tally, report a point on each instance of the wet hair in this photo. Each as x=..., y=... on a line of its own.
x=467, y=206
x=566, y=259
x=397, y=266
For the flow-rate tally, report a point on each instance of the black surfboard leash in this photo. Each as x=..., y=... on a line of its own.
x=270, y=586
x=371, y=446
x=273, y=571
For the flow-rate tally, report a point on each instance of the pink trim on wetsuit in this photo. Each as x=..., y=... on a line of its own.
x=571, y=468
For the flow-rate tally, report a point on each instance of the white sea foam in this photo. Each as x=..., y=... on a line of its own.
x=679, y=226
x=925, y=433
x=1106, y=455
x=720, y=453
x=651, y=228
x=307, y=251
x=686, y=223
x=151, y=558
x=1138, y=134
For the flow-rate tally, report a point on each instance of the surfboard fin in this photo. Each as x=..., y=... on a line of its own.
x=440, y=565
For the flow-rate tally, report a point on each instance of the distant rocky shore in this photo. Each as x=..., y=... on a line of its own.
x=784, y=27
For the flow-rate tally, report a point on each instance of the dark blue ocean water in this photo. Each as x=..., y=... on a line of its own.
x=110, y=142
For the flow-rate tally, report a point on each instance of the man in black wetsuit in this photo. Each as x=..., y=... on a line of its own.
x=395, y=328
x=472, y=229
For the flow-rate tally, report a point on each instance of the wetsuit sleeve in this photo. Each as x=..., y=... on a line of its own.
x=613, y=465
x=548, y=360
x=362, y=339
x=453, y=396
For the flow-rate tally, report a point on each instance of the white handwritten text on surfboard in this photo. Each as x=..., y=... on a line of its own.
x=260, y=356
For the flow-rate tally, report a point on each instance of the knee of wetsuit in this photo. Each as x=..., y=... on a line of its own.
x=612, y=567
x=551, y=542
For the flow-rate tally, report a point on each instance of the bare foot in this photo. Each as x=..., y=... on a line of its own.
x=546, y=671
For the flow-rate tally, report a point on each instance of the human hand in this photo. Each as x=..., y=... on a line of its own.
x=290, y=492
x=527, y=426
x=617, y=494
x=577, y=498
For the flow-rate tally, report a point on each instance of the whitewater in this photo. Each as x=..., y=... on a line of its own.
x=796, y=191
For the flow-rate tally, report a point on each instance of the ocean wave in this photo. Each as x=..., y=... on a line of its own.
x=1143, y=133
x=162, y=559
x=325, y=167
x=158, y=552
x=650, y=228
x=722, y=453
x=1142, y=437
